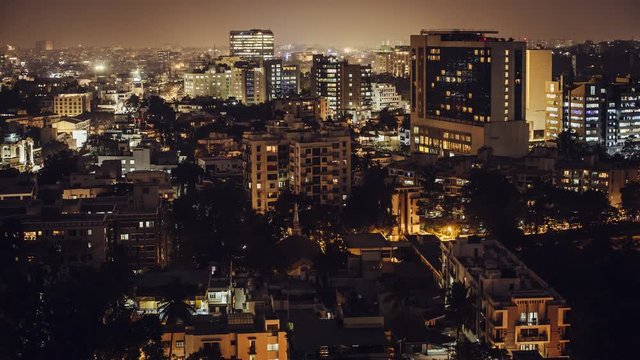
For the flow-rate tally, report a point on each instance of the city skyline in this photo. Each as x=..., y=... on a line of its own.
x=204, y=23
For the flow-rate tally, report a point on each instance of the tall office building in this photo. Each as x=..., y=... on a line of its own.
x=584, y=112
x=254, y=44
x=554, y=109
x=467, y=91
x=622, y=116
x=538, y=74
x=347, y=87
x=282, y=80
x=316, y=164
x=290, y=80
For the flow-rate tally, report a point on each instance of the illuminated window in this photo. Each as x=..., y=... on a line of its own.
x=30, y=235
x=272, y=347
x=124, y=236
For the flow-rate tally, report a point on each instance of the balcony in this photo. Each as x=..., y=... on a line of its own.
x=533, y=337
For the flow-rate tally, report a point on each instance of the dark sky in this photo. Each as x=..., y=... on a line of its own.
x=139, y=23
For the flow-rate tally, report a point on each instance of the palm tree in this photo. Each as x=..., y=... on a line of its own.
x=174, y=311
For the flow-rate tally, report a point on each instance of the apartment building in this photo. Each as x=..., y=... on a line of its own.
x=316, y=164
x=239, y=336
x=515, y=308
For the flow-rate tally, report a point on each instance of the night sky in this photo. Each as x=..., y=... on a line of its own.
x=139, y=23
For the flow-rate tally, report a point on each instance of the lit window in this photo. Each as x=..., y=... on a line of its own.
x=124, y=236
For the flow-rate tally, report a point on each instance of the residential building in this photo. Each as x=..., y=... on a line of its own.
x=347, y=87
x=239, y=336
x=254, y=44
x=305, y=108
x=384, y=96
x=608, y=178
x=316, y=164
x=514, y=308
x=467, y=91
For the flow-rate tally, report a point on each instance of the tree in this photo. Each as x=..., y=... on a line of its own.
x=58, y=166
x=459, y=308
x=187, y=174
x=369, y=206
x=174, y=311
x=493, y=202
x=631, y=148
x=570, y=145
x=631, y=199
x=206, y=353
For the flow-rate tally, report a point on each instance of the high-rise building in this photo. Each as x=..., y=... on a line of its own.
x=290, y=80
x=467, y=91
x=584, y=111
x=554, y=109
x=282, y=80
x=347, y=87
x=254, y=82
x=622, y=116
x=538, y=73
x=254, y=44
x=316, y=164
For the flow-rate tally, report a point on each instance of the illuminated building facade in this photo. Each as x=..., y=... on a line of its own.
x=584, y=112
x=316, y=164
x=395, y=61
x=385, y=96
x=233, y=336
x=254, y=44
x=462, y=83
x=290, y=80
x=554, y=109
x=72, y=104
x=347, y=87
x=606, y=178
x=622, y=117
x=514, y=308
x=315, y=108
x=538, y=74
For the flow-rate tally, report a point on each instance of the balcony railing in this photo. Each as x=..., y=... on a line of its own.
x=533, y=337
